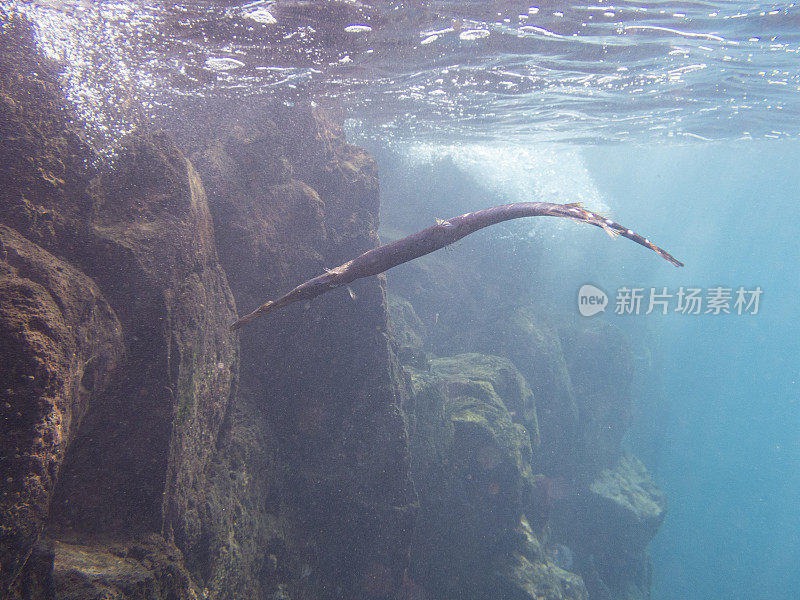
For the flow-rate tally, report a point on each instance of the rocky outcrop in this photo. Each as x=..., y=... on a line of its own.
x=45, y=164
x=148, y=432
x=447, y=290
x=60, y=342
x=611, y=524
x=290, y=198
x=472, y=422
x=114, y=315
x=293, y=483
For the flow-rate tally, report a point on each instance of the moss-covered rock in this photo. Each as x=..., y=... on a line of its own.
x=408, y=332
x=609, y=526
x=472, y=470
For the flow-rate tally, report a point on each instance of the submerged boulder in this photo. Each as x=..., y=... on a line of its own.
x=472, y=470
x=60, y=342
x=115, y=318
x=609, y=526
x=628, y=506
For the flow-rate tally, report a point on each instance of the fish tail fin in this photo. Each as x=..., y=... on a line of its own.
x=577, y=212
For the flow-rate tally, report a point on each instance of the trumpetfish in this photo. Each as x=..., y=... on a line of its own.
x=444, y=233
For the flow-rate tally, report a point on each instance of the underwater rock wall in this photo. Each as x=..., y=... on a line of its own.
x=121, y=365
x=142, y=457
x=319, y=380
x=59, y=342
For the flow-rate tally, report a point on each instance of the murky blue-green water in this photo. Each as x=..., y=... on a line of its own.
x=729, y=447
x=726, y=442
x=679, y=118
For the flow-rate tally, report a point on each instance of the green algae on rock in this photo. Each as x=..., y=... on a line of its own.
x=472, y=471
x=612, y=522
x=506, y=381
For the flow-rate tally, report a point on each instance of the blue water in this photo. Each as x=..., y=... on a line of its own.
x=730, y=454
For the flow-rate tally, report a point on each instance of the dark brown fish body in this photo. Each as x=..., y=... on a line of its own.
x=438, y=236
